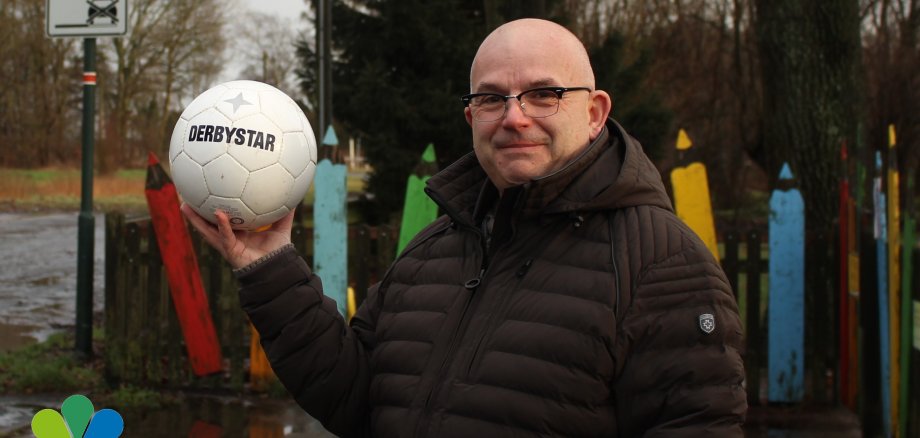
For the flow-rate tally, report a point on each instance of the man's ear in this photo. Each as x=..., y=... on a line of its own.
x=599, y=108
x=468, y=115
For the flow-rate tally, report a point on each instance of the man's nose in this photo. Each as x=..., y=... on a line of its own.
x=514, y=113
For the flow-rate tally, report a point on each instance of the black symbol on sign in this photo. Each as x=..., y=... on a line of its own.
x=96, y=11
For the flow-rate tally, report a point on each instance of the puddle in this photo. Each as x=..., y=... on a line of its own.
x=38, y=279
x=195, y=416
x=226, y=418
x=208, y=416
x=16, y=412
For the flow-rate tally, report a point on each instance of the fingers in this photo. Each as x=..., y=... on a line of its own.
x=227, y=238
x=285, y=223
x=212, y=234
x=207, y=230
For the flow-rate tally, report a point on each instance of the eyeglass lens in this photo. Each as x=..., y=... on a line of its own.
x=534, y=103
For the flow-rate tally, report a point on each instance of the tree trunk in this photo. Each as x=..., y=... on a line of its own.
x=810, y=60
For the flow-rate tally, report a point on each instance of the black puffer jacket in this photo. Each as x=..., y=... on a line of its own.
x=585, y=314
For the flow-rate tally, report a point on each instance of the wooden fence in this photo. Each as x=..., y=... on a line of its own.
x=143, y=340
x=746, y=266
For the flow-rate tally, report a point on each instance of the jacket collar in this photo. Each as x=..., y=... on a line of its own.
x=612, y=172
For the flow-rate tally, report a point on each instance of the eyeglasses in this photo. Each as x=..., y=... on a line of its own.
x=535, y=103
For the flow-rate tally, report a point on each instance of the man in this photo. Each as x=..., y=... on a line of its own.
x=559, y=295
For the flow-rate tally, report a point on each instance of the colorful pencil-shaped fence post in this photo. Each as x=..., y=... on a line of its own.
x=786, y=309
x=894, y=274
x=908, y=239
x=352, y=306
x=880, y=231
x=847, y=338
x=260, y=370
x=330, y=222
x=185, y=287
x=690, y=185
x=853, y=297
x=418, y=210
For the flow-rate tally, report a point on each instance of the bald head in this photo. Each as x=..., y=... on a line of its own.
x=534, y=42
x=524, y=56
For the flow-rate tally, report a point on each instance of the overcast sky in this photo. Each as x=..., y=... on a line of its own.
x=284, y=8
x=288, y=10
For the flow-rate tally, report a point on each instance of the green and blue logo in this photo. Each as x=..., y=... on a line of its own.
x=79, y=420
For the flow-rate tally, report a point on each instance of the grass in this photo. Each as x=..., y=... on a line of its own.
x=49, y=366
x=59, y=189
x=52, y=366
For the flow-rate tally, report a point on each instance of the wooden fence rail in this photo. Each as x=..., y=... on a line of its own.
x=143, y=342
x=745, y=265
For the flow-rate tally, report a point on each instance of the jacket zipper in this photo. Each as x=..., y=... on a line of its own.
x=472, y=285
x=519, y=275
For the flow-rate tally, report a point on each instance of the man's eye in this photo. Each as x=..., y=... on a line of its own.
x=542, y=95
x=491, y=99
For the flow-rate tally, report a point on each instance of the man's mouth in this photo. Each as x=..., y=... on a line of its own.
x=518, y=145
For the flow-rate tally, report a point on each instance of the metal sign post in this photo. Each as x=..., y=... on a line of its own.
x=86, y=223
x=89, y=19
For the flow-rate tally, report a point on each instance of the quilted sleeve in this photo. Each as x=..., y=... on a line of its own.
x=321, y=361
x=681, y=338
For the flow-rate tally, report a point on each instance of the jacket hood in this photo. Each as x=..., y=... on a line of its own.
x=612, y=172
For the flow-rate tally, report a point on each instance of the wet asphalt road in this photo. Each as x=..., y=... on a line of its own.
x=38, y=274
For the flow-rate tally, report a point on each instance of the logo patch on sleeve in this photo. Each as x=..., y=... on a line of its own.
x=707, y=323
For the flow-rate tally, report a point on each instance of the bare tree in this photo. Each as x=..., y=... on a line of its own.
x=890, y=43
x=172, y=49
x=265, y=50
x=41, y=98
x=134, y=58
x=194, y=56
x=704, y=62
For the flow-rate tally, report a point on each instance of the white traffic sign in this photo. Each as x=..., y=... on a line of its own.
x=86, y=18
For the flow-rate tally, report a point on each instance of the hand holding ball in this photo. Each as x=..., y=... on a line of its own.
x=245, y=148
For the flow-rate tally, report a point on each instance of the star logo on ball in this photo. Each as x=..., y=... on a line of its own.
x=238, y=101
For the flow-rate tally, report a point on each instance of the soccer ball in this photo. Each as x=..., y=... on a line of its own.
x=246, y=148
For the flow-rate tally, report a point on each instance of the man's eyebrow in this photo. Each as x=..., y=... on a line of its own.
x=544, y=82
x=488, y=87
